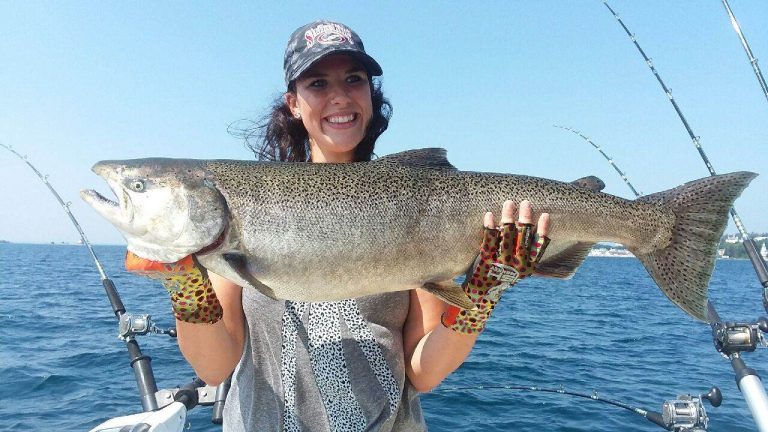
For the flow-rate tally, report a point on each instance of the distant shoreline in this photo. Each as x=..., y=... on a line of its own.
x=594, y=253
x=58, y=244
x=632, y=256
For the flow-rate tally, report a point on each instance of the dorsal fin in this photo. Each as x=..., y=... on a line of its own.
x=590, y=182
x=420, y=158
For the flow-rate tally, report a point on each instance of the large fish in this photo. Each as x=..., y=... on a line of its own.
x=318, y=232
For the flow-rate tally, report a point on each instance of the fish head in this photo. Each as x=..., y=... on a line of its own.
x=166, y=208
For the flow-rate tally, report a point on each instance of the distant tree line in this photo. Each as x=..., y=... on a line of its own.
x=736, y=250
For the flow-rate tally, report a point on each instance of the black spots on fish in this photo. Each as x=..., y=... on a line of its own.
x=679, y=272
x=332, y=198
x=683, y=266
x=708, y=193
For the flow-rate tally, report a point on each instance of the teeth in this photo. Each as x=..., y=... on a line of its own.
x=99, y=197
x=341, y=119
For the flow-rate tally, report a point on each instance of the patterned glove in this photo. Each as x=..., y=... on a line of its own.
x=506, y=256
x=192, y=297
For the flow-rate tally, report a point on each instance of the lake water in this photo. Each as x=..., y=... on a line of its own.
x=609, y=329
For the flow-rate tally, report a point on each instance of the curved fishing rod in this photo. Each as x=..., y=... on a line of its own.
x=730, y=338
x=190, y=395
x=65, y=206
x=684, y=413
x=140, y=363
x=608, y=158
x=757, y=262
x=752, y=59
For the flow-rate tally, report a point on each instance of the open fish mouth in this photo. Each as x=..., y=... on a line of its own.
x=119, y=212
x=97, y=198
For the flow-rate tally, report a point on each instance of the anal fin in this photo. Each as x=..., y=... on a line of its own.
x=449, y=292
x=564, y=262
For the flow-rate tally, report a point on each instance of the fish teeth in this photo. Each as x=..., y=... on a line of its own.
x=101, y=198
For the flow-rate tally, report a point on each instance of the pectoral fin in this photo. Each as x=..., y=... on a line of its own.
x=238, y=265
x=449, y=292
x=562, y=264
x=233, y=266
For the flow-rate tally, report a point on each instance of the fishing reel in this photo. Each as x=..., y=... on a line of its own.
x=131, y=325
x=732, y=337
x=687, y=413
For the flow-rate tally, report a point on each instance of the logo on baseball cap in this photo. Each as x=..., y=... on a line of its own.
x=315, y=40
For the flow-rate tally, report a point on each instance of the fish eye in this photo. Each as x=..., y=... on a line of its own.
x=136, y=185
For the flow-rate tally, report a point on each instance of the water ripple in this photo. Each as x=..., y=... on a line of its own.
x=608, y=329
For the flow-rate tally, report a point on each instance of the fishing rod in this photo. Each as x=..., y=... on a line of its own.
x=730, y=338
x=622, y=174
x=44, y=178
x=752, y=59
x=130, y=326
x=140, y=363
x=686, y=413
x=749, y=245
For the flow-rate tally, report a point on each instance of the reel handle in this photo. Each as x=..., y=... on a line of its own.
x=714, y=396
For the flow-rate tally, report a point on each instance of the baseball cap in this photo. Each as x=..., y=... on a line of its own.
x=313, y=41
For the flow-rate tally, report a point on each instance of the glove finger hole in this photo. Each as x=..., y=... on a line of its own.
x=524, y=240
x=490, y=243
x=539, y=248
x=507, y=242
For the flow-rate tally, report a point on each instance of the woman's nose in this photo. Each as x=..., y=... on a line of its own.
x=340, y=95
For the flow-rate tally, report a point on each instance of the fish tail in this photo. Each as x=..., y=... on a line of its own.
x=682, y=269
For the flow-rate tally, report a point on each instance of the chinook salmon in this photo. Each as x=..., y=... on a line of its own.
x=320, y=232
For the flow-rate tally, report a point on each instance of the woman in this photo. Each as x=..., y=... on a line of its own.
x=357, y=364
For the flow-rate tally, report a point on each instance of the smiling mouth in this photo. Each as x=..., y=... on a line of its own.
x=342, y=119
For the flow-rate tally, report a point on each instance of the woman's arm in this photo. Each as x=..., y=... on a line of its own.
x=213, y=350
x=432, y=352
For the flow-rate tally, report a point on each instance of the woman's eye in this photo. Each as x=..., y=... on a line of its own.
x=355, y=79
x=319, y=83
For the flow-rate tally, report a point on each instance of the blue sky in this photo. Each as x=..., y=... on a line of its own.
x=86, y=81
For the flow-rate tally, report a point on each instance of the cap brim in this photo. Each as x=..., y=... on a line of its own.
x=371, y=66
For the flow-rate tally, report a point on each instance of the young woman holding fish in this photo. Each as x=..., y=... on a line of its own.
x=355, y=364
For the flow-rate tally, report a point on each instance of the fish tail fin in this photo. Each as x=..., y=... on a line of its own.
x=682, y=269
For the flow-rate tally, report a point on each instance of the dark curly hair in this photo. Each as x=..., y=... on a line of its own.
x=279, y=136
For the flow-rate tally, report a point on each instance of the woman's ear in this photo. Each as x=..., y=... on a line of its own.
x=292, y=103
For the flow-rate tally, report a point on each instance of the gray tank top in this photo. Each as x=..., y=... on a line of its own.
x=331, y=366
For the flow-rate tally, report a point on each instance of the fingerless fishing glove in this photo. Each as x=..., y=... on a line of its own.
x=192, y=296
x=506, y=256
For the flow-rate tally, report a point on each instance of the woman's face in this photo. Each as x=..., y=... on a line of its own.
x=334, y=100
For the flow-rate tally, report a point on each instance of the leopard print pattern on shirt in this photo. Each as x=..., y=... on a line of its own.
x=328, y=362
